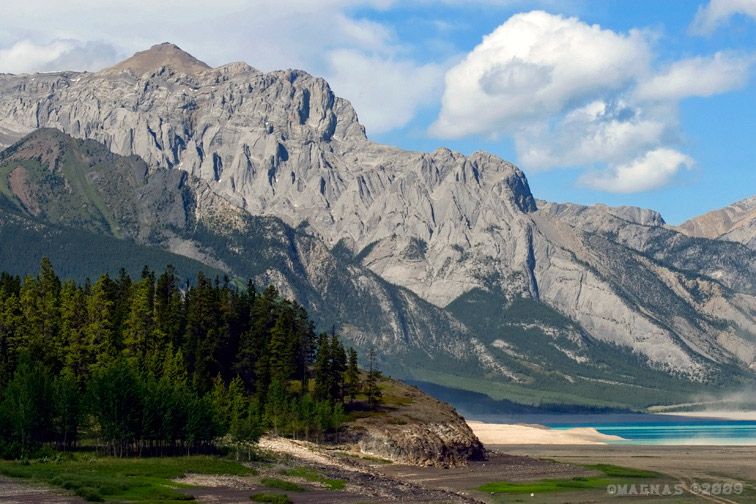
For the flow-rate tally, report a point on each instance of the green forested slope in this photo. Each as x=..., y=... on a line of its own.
x=138, y=366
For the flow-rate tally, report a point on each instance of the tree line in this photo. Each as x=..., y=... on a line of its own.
x=154, y=366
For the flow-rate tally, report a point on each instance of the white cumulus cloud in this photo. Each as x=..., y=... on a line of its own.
x=535, y=65
x=571, y=94
x=718, y=12
x=654, y=170
x=700, y=76
x=601, y=131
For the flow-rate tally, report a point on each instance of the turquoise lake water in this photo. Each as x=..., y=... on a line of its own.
x=687, y=432
x=644, y=428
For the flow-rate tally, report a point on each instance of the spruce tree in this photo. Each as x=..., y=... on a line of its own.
x=74, y=318
x=221, y=405
x=169, y=316
x=102, y=334
x=282, y=346
x=139, y=332
x=49, y=287
x=322, y=375
x=11, y=340
x=352, y=375
x=372, y=390
x=338, y=367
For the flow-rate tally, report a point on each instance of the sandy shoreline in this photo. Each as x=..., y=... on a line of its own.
x=719, y=415
x=514, y=434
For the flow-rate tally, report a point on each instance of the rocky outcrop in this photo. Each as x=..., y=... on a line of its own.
x=413, y=428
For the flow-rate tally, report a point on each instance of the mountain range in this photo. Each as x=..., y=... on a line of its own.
x=445, y=263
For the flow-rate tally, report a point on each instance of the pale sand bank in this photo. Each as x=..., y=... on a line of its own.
x=508, y=434
x=722, y=415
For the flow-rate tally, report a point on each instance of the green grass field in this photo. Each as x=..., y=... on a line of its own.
x=128, y=479
x=312, y=475
x=612, y=474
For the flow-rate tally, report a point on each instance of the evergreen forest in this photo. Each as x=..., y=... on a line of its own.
x=151, y=366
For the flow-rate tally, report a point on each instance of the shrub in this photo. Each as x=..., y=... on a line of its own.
x=89, y=494
x=273, y=498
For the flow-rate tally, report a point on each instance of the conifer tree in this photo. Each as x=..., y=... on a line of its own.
x=243, y=427
x=338, y=367
x=32, y=317
x=11, y=340
x=220, y=404
x=119, y=292
x=252, y=362
x=322, y=370
x=174, y=368
x=49, y=287
x=168, y=309
x=139, y=331
x=305, y=341
x=101, y=334
x=202, y=335
x=306, y=415
x=372, y=390
x=282, y=346
x=74, y=318
x=352, y=376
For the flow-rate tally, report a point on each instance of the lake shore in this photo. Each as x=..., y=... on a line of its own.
x=528, y=434
x=719, y=415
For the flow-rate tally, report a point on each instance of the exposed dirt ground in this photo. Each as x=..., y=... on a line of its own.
x=370, y=481
x=13, y=491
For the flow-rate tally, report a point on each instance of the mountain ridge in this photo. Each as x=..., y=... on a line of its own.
x=735, y=222
x=439, y=224
x=414, y=338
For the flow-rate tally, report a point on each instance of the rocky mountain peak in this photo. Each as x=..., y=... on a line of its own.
x=158, y=56
x=736, y=222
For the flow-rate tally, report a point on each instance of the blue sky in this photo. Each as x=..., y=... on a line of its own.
x=644, y=102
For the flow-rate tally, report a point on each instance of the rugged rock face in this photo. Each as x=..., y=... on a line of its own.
x=417, y=430
x=581, y=215
x=439, y=224
x=736, y=222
